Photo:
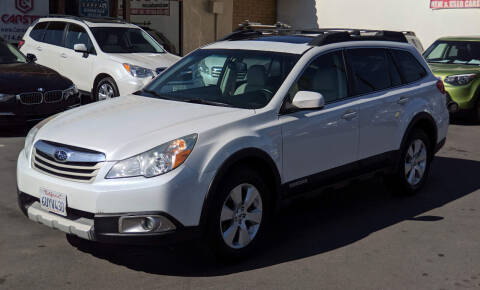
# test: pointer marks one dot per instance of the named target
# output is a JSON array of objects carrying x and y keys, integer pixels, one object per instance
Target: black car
[{"x": 29, "y": 91}]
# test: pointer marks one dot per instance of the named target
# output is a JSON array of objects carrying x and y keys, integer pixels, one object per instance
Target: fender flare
[{"x": 232, "y": 161}]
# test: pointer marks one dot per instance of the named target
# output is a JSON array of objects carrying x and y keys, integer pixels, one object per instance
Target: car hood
[
  {"x": 125, "y": 126},
  {"x": 147, "y": 60},
  {"x": 444, "y": 70},
  {"x": 18, "y": 78}
]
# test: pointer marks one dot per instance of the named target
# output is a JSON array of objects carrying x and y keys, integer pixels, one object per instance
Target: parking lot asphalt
[{"x": 360, "y": 237}]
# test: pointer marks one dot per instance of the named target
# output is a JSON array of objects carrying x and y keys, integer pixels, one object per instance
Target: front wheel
[
  {"x": 414, "y": 166},
  {"x": 106, "y": 89},
  {"x": 238, "y": 215}
]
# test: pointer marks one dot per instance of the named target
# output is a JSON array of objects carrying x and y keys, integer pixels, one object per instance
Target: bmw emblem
[{"x": 61, "y": 156}]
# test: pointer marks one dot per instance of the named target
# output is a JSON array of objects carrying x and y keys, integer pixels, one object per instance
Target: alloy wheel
[
  {"x": 105, "y": 92},
  {"x": 415, "y": 162},
  {"x": 241, "y": 216}
]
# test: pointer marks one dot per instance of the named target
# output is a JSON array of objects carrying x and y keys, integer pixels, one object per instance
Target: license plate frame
[{"x": 53, "y": 201}]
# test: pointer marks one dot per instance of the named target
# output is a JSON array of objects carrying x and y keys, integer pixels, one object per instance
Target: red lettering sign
[{"x": 454, "y": 4}]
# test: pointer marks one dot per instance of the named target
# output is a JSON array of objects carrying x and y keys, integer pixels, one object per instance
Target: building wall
[
  {"x": 199, "y": 23},
  {"x": 263, "y": 11},
  {"x": 414, "y": 15}
]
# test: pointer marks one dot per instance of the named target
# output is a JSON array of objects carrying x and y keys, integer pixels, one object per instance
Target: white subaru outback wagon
[
  {"x": 189, "y": 157},
  {"x": 104, "y": 57}
]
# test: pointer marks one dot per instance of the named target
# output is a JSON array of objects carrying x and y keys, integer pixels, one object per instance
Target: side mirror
[
  {"x": 308, "y": 100},
  {"x": 31, "y": 57},
  {"x": 80, "y": 47}
]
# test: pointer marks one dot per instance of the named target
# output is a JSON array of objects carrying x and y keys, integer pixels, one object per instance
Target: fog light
[{"x": 144, "y": 224}]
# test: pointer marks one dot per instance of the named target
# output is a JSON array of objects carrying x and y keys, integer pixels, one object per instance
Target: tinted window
[
  {"x": 76, "y": 35},
  {"x": 395, "y": 77},
  {"x": 409, "y": 66},
  {"x": 38, "y": 31},
  {"x": 125, "y": 40},
  {"x": 370, "y": 70},
  {"x": 325, "y": 75},
  {"x": 54, "y": 33}
]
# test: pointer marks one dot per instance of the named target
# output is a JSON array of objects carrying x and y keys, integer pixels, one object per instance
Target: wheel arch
[
  {"x": 254, "y": 158},
  {"x": 98, "y": 78},
  {"x": 425, "y": 122}
]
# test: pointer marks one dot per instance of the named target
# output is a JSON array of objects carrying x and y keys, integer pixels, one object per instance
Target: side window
[
  {"x": 75, "y": 35},
  {"x": 395, "y": 77},
  {"x": 370, "y": 70},
  {"x": 325, "y": 75},
  {"x": 54, "y": 33},
  {"x": 38, "y": 31},
  {"x": 409, "y": 66}
]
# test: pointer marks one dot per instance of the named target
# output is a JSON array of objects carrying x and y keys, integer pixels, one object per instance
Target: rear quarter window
[
  {"x": 409, "y": 67},
  {"x": 38, "y": 31}
]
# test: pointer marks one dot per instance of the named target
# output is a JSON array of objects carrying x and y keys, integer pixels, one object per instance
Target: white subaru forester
[
  {"x": 190, "y": 157},
  {"x": 104, "y": 57}
]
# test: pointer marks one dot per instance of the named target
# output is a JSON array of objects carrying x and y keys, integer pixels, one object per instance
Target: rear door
[
  {"x": 52, "y": 45},
  {"x": 34, "y": 42},
  {"x": 77, "y": 66}
]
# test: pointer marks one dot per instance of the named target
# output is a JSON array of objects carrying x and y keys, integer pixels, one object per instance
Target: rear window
[
  {"x": 409, "y": 66},
  {"x": 54, "y": 33},
  {"x": 38, "y": 31},
  {"x": 370, "y": 70}
]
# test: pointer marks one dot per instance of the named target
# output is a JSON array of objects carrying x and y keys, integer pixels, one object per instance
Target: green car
[{"x": 456, "y": 60}]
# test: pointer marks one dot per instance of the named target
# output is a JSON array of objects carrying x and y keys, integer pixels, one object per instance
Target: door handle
[
  {"x": 349, "y": 115},
  {"x": 403, "y": 100},
  {"x": 39, "y": 48},
  {"x": 63, "y": 55}
]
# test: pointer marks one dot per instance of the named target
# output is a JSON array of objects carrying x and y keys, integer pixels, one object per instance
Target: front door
[{"x": 316, "y": 141}]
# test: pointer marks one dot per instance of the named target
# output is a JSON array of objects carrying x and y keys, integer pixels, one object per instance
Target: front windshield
[
  {"x": 125, "y": 40},
  {"x": 236, "y": 78},
  {"x": 9, "y": 54},
  {"x": 454, "y": 52}
]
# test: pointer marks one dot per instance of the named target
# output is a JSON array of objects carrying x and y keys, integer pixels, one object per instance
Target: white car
[
  {"x": 181, "y": 159},
  {"x": 104, "y": 57}
]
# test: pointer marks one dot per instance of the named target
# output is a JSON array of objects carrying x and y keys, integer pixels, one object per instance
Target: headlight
[
  {"x": 70, "y": 92},
  {"x": 459, "y": 80},
  {"x": 157, "y": 161},
  {"x": 138, "y": 71},
  {"x": 6, "y": 97},
  {"x": 32, "y": 134}
]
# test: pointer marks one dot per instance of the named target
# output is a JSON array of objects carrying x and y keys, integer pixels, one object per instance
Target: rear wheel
[
  {"x": 106, "y": 89},
  {"x": 238, "y": 215},
  {"x": 414, "y": 166}
]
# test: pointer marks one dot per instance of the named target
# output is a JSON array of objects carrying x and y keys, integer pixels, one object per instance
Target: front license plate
[{"x": 53, "y": 201}]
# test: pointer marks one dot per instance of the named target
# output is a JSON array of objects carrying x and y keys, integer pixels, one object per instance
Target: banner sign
[
  {"x": 94, "y": 8},
  {"x": 454, "y": 4},
  {"x": 17, "y": 15},
  {"x": 148, "y": 7}
]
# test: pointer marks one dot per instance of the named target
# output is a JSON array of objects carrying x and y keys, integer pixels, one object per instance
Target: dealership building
[{"x": 188, "y": 24}]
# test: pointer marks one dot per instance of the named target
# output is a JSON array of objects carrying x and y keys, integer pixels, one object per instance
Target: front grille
[
  {"x": 31, "y": 98},
  {"x": 82, "y": 166},
  {"x": 53, "y": 97}
]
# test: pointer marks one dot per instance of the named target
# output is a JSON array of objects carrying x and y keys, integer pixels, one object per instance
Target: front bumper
[{"x": 103, "y": 228}]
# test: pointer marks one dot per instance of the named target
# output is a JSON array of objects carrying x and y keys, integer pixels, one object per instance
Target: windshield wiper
[{"x": 207, "y": 102}]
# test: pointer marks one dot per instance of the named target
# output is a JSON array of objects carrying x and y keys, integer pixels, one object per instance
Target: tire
[
  {"x": 106, "y": 89},
  {"x": 234, "y": 230},
  {"x": 413, "y": 167},
  {"x": 476, "y": 111}
]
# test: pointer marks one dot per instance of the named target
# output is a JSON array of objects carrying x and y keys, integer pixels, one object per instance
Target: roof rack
[{"x": 321, "y": 36}]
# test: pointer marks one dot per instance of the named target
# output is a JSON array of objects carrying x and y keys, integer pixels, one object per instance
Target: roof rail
[
  {"x": 329, "y": 37},
  {"x": 86, "y": 18}
]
